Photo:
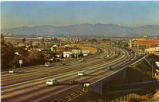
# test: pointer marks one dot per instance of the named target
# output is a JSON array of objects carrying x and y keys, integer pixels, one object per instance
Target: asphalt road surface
[{"x": 29, "y": 85}]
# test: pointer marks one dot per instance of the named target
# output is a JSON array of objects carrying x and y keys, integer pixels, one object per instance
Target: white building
[
  {"x": 85, "y": 52},
  {"x": 21, "y": 45},
  {"x": 152, "y": 50},
  {"x": 53, "y": 48},
  {"x": 66, "y": 54},
  {"x": 157, "y": 49},
  {"x": 76, "y": 51}
]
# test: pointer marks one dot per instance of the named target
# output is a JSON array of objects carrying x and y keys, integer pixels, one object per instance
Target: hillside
[{"x": 112, "y": 30}]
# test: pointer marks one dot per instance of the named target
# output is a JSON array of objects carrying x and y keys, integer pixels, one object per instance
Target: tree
[
  {"x": 76, "y": 47},
  {"x": 7, "y": 55},
  {"x": 33, "y": 58},
  {"x": 104, "y": 40},
  {"x": 31, "y": 44},
  {"x": 9, "y": 59},
  {"x": 93, "y": 40},
  {"x": 42, "y": 40},
  {"x": 2, "y": 39},
  {"x": 24, "y": 40},
  {"x": 14, "y": 62}
]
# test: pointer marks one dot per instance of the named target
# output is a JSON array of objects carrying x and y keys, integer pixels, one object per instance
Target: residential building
[
  {"x": 143, "y": 43},
  {"x": 67, "y": 54}
]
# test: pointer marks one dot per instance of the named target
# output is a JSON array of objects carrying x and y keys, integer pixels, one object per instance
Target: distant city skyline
[{"x": 63, "y": 13}]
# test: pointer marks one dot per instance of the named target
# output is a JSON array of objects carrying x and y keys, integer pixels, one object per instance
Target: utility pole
[
  {"x": 130, "y": 43},
  {"x": 152, "y": 70}
]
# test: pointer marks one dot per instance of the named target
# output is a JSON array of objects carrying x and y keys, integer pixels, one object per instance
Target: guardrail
[{"x": 140, "y": 59}]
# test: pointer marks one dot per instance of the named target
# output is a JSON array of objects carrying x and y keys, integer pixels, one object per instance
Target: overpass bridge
[{"x": 97, "y": 86}]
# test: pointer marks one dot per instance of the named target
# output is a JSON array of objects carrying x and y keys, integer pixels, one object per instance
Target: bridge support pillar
[
  {"x": 98, "y": 88},
  {"x": 124, "y": 72}
]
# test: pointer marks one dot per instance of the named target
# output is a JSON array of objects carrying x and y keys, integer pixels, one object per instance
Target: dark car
[
  {"x": 109, "y": 68},
  {"x": 14, "y": 71},
  {"x": 63, "y": 63}
]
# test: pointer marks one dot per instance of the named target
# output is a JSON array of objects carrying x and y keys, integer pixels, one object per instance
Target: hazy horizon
[
  {"x": 77, "y": 24},
  {"x": 64, "y": 13}
]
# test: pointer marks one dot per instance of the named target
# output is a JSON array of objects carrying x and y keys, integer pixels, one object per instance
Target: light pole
[{"x": 152, "y": 70}]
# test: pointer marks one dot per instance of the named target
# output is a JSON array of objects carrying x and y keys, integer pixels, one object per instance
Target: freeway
[
  {"x": 41, "y": 71},
  {"x": 30, "y": 85}
]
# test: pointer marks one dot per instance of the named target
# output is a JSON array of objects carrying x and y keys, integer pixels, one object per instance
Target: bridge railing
[
  {"x": 98, "y": 83},
  {"x": 129, "y": 98}
]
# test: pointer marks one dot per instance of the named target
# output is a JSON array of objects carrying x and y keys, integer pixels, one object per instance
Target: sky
[{"x": 63, "y": 13}]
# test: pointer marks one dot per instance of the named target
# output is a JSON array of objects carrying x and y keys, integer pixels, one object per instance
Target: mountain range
[{"x": 112, "y": 30}]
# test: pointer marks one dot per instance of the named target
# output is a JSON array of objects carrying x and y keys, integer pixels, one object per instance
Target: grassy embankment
[{"x": 91, "y": 49}]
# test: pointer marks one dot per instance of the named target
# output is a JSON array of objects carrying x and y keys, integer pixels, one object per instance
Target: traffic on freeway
[{"x": 39, "y": 83}]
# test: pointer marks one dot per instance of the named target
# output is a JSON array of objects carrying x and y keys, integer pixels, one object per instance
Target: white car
[
  {"x": 14, "y": 71},
  {"x": 52, "y": 82},
  {"x": 47, "y": 64},
  {"x": 86, "y": 84},
  {"x": 81, "y": 60},
  {"x": 81, "y": 73}
]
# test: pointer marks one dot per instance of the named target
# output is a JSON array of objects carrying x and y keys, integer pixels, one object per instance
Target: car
[
  {"x": 52, "y": 82},
  {"x": 73, "y": 81},
  {"x": 81, "y": 60},
  {"x": 109, "y": 68},
  {"x": 14, "y": 71},
  {"x": 86, "y": 84},
  {"x": 81, "y": 73},
  {"x": 48, "y": 64},
  {"x": 63, "y": 63}
]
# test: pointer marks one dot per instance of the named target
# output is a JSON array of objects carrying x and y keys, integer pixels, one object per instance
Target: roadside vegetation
[
  {"x": 11, "y": 60},
  {"x": 36, "y": 52}
]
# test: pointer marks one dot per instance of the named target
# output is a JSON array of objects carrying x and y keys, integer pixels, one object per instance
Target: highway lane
[
  {"x": 55, "y": 96},
  {"x": 60, "y": 96},
  {"x": 36, "y": 87},
  {"x": 48, "y": 92},
  {"x": 66, "y": 73},
  {"x": 60, "y": 74},
  {"x": 41, "y": 84},
  {"x": 70, "y": 62},
  {"x": 12, "y": 78},
  {"x": 76, "y": 75},
  {"x": 73, "y": 61}
]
